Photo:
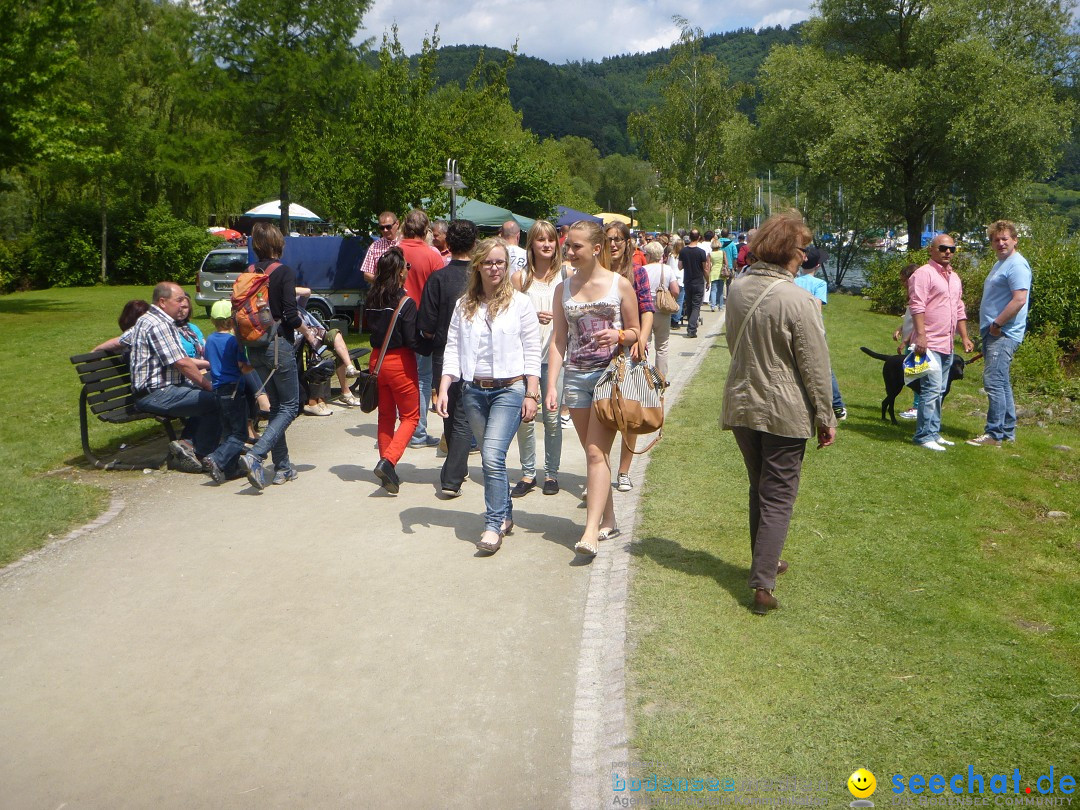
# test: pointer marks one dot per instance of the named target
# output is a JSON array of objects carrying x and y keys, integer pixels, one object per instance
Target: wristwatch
[
  {"x": 535, "y": 397},
  {"x": 995, "y": 323}
]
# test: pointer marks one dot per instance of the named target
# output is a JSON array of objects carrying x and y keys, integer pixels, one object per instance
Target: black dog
[{"x": 893, "y": 374}]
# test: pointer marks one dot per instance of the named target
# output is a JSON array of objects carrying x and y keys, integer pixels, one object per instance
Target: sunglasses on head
[{"x": 947, "y": 248}]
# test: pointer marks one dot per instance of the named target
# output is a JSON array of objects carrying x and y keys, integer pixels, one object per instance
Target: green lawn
[
  {"x": 39, "y": 396},
  {"x": 929, "y": 620}
]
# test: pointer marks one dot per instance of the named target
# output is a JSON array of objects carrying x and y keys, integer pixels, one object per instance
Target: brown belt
[{"x": 488, "y": 383}]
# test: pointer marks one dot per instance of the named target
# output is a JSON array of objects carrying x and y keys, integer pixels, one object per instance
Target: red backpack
[{"x": 251, "y": 306}]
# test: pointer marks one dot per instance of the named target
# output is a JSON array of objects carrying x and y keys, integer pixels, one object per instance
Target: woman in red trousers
[{"x": 399, "y": 389}]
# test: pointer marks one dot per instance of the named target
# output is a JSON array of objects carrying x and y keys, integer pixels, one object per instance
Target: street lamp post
[
  {"x": 632, "y": 210},
  {"x": 452, "y": 181}
]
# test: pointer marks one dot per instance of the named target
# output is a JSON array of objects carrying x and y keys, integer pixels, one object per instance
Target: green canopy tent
[{"x": 489, "y": 216}]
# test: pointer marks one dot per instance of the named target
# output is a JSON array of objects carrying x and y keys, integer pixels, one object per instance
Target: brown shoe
[
  {"x": 763, "y": 602},
  {"x": 781, "y": 567}
]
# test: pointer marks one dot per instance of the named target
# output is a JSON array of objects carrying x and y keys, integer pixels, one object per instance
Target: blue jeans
[
  {"x": 997, "y": 358},
  {"x": 716, "y": 293},
  {"x": 232, "y": 409},
  {"x": 676, "y": 316},
  {"x": 423, "y": 371},
  {"x": 283, "y": 388},
  {"x": 928, "y": 426},
  {"x": 526, "y": 437},
  {"x": 837, "y": 400},
  {"x": 494, "y": 416},
  {"x": 198, "y": 409}
]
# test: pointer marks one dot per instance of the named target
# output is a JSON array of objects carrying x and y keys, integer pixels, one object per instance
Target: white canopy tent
[{"x": 272, "y": 210}]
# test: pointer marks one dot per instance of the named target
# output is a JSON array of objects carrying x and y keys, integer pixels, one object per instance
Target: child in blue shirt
[
  {"x": 228, "y": 364},
  {"x": 819, "y": 288}
]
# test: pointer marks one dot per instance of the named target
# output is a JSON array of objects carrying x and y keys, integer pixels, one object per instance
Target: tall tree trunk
[
  {"x": 285, "y": 201},
  {"x": 104, "y": 230}
]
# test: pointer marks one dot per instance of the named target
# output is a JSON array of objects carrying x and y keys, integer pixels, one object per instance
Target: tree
[
  {"x": 280, "y": 63},
  {"x": 908, "y": 103},
  {"x": 688, "y": 136}
]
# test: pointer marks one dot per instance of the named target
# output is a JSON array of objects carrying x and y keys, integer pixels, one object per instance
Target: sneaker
[
  {"x": 841, "y": 414},
  {"x": 624, "y": 483},
  {"x": 910, "y": 413},
  {"x": 253, "y": 468},
  {"x": 183, "y": 449},
  {"x": 211, "y": 468},
  {"x": 551, "y": 486},
  {"x": 449, "y": 493},
  {"x": 945, "y": 442},
  {"x": 522, "y": 488},
  {"x": 423, "y": 441},
  {"x": 566, "y": 420},
  {"x": 351, "y": 371},
  {"x": 318, "y": 409},
  {"x": 932, "y": 445},
  {"x": 285, "y": 474},
  {"x": 350, "y": 399},
  {"x": 985, "y": 440}
]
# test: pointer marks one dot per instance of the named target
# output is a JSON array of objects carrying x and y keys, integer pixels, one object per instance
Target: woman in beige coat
[{"x": 779, "y": 389}]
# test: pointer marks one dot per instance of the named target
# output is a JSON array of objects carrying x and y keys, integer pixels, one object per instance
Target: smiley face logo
[{"x": 862, "y": 784}]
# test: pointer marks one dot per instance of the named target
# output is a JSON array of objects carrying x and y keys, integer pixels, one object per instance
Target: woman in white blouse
[{"x": 493, "y": 346}]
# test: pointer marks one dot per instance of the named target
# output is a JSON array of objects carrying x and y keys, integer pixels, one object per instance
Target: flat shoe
[
  {"x": 522, "y": 488},
  {"x": 607, "y": 534},
  {"x": 585, "y": 548},
  {"x": 551, "y": 487},
  {"x": 487, "y": 546},
  {"x": 781, "y": 567},
  {"x": 507, "y": 529}
]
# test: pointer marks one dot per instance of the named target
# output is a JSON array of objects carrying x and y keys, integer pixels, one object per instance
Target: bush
[
  {"x": 160, "y": 246},
  {"x": 883, "y": 285},
  {"x": 1038, "y": 366}
]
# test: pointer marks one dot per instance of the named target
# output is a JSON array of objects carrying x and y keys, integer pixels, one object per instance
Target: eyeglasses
[
  {"x": 491, "y": 264},
  {"x": 806, "y": 249},
  {"x": 618, "y": 239},
  {"x": 389, "y": 227},
  {"x": 947, "y": 248}
]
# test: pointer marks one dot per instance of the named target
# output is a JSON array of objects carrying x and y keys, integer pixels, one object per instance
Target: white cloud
[{"x": 567, "y": 30}]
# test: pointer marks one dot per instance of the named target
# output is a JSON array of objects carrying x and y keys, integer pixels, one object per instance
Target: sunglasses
[
  {"x": 389, "y": 227},
  {"x": 946, "y": 248}
]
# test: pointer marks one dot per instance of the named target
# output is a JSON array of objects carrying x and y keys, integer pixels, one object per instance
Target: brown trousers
[{"x": 773, "y": 464}]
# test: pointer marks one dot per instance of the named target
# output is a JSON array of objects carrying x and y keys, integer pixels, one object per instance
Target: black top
[
  {"x": 441, "y": 294},
  {"x": 693, "y": 263},
  {"x": 281, "y": 290},
  {"x": 404, "y": 336}
]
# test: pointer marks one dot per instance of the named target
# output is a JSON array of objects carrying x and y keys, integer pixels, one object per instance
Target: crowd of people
[{"x": 493, "y": 337}]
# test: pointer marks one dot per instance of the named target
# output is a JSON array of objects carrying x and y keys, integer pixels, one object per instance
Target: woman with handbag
[
  {"x": 391, "y": 314},
  {"x": 778, "y": 392},
  {"x": 595, "y": 316},
  {"x": 666, "y": 295},
  {"x": 622, "y": 262},
  {"x": 493, "y": 346},
  {"x": 538, "y": 280}
]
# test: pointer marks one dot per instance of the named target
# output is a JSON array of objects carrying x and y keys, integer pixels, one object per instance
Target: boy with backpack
[{"x": 228, "y": 363}]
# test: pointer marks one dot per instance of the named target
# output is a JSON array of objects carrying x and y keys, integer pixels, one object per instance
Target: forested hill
[{"x": 593, "y": 99}]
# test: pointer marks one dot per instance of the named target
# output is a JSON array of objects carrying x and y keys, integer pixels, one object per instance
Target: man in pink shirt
[
  {"x": 388, "y": 237},
  {"x": 935, "y": 296}
]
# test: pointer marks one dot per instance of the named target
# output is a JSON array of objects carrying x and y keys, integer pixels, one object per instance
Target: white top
[
  {"x": 658, "y": 272},
  {"x": 511, "y": 343},
  {"x": 676, "y": 271},
  {"x": 542, "y": 296},
  {"x": 517, "y": 258}
]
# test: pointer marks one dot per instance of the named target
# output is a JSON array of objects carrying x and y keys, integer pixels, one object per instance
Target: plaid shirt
[
  {"x": 374, "y": 253},
  {"x": 644, "y": 290},
  {"x": 155, "y": 346}
]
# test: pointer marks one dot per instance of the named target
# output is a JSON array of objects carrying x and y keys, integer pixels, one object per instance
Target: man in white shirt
[{"x": 511, "y": 234}]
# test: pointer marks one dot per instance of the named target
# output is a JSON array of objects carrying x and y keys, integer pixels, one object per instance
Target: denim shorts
[{"x": 578, "y": 387}]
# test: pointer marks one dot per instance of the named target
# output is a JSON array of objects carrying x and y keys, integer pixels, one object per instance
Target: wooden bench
[{"x": 106, "y": 392}]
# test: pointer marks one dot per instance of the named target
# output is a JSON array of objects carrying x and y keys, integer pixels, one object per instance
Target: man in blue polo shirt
[{"x": 1002, "y": 321}]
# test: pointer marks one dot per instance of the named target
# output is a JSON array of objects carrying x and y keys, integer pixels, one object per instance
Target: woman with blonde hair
[
  {"x": 595, "y": 315},
  {"x": 538, "y": 281},
  {"x": 622, "y": 262},
  {"x": 493, "y": 346}
]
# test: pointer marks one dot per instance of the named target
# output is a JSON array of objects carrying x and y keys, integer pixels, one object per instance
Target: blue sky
[{"x": 568, "y": 30}]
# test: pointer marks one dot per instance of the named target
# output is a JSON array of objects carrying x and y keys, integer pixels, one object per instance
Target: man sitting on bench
[{"x": 166, "y": 381}]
